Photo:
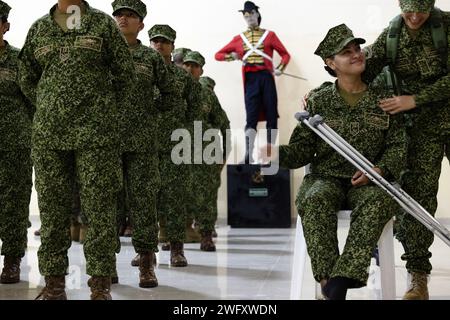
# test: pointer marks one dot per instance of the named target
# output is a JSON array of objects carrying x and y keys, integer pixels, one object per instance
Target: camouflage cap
[
  {"x": 422, "y": 6},
  {"x": 182, "y": 51},
  {"x": 196, "y": 57},
  {"x": 4, "y": 9},
  {"x": 335, "y": 40},
  {"x": 164, "y": 31},
  {"x": 208, "y": 82},
  {"x": 135, "y": 5}
]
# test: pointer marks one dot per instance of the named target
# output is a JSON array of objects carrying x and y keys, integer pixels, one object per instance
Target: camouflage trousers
[
  {"x": 318, "y": 200},
  {"x": 141, "y": 187},
  {"x": 123, "y": 206},
  {"x": 203, "y": 204},
  {"x": 425, "y": 156},
  {"x": 99, "y": 175},
  {"x": 77, "y": 213},
  {"x": 176, "y": 181},
  {"x": 15, "y": 192}
]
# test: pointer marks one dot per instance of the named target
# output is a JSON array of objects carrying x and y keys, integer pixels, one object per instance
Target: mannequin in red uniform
[{"x": 254, "y": 48}]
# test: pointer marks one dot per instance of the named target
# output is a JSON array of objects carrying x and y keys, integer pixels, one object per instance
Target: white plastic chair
[{"x": 385, "y": 253}]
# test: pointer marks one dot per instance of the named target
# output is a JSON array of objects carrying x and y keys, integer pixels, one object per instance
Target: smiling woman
[{"x": 349, "y": 106}]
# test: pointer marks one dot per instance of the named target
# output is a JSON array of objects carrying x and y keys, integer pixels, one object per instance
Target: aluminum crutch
[
  {"x": 405, "y": 200},
  {"x": 317, "y": 125}
]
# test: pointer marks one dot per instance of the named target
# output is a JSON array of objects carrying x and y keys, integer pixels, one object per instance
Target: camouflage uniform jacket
[
  {"x": 16, "y": 110},
  {"x": 181, "y": 108},
  {"x": 213, "y": 116},
  {"x": 139, "y": 122},
  {"x": 418, "y": 64},
  {"x": 381, "y": 138},
  {"x": 77, "y": 81}
]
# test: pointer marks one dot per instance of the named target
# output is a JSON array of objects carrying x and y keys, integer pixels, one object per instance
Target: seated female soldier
[{"x": 350, "y": 107}]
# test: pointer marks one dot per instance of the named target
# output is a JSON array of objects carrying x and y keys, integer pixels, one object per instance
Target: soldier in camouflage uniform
[
  {"x": 139, "y": 144},
  {"x": 206, "y": 176},
  {"x": 179, "y": 54},
  {"x": 424, "y": 98},
  {"x": 350, "y": 108},
  {"x": 182, "y": 109},
  {"x": 191, "y": 234},
  {"x": 208, "y": 82},
  {"x": 77, "y": 70},
  {"x": 15, "y": 158},
  {"x": 211, "y": 84}
]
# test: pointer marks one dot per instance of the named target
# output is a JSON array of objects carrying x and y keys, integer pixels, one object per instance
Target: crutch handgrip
[
  {"x": 300, "y": 116},
  {"x": 315, "y": 121}
]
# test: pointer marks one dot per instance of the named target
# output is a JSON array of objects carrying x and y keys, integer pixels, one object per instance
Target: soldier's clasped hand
[
  {"x": 398, "y": 104},
  {"x": 359, "y": 179}
]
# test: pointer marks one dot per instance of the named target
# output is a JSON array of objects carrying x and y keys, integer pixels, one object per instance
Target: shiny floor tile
[{"x": 248, "y": 264}]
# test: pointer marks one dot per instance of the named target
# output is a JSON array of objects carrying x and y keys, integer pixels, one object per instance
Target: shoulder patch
[
  {"x": 8, "y": 74},
  {"x": 42, "y": 51}
]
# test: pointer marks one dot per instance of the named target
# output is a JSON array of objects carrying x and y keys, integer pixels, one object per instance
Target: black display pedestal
[{"x": 258, "y": 201}]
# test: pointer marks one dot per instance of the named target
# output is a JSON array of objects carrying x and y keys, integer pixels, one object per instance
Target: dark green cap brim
[
  {"x": 346, "y": 42},
  {"x": 161, "y": 36},
  {"x": 129, "y": 8},
  {"x": 194, "y": 61}
]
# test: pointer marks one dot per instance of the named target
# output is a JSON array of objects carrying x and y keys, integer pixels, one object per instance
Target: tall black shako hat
[{"x": 249, "y": 7}]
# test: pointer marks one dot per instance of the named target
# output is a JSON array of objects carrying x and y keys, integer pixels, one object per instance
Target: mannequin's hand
[
  {"x": 277, "y": 72},
  {"x": 235, "y": 56}
]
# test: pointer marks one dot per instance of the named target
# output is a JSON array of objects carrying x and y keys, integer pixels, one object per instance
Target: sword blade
[{"x": 294, "y": 76}]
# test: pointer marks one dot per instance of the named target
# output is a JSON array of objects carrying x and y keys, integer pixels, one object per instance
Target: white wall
[{"x": 207, "y": 25}]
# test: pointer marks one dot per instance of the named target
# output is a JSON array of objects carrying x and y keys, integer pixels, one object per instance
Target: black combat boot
[
  {"x": 100, "y": 288},
  {"x": 147, "y": 276},
  {"x": 177, "y": 258},
  {"x": 207, "y": 243},
  {"x": 11, "y": 270},
  {"x": 54, "y": 288}
]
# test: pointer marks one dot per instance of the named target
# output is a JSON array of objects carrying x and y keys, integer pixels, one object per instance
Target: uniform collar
[
  {"x": 258, "y": 28},
  {"x": 135, "y": 46},
  {"x": 85, "y": 20},
  {"x": 336, "y": 95},
  {"x": 5, "y": 54}
]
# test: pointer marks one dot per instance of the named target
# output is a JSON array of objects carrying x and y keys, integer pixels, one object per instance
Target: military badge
[
  {"x": 89, "y": 42},
  {"x": 64, "y": 54},
  {"x": 143, "y": 69},
  {"x": 354, "y": 128},
  {"x": 379, "y": 121}
]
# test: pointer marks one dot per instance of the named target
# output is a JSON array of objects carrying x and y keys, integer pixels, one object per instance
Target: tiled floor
[{"x": 248, "y": 264}]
